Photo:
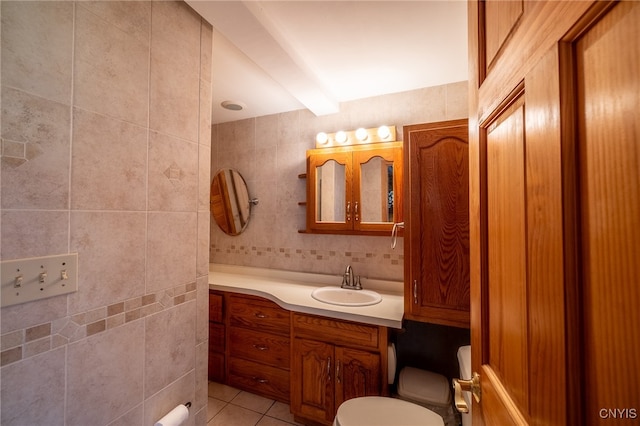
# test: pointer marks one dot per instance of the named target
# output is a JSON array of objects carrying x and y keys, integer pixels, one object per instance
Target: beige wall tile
[
  {"x": 171, "y": 249},
  {"x": 202, "y": 260},
  {"x": 36, "y": 48},
  {"x": 169, "y": 351},
  {"x": 105, "y": 375},
  {"x": 178, "y": 392},
  {"x": 111, "y": 73},
  {"x": 134, "y": 18},
  {"x": 19, "y": 402},
  {"x": 31, "y": 233},
  {"x": 39, "y": 178},
  {"x": 111, "y": 257},
  {"x": 173, "y": 173},
  {"x": 132, "y": 417},
  {"x": 204, "y": 178},
  {"x": 175, "y": 70},
  {"x": 109, "y": 163}
]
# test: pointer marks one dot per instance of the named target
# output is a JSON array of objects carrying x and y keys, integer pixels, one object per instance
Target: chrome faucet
[{"x": 349, "y": 280}]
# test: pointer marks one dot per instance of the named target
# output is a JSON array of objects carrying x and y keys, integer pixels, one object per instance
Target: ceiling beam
[{"x": 246, "y": 25}]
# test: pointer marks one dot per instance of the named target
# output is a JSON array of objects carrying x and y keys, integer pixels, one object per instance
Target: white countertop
[{"x": 292, "y": 291}]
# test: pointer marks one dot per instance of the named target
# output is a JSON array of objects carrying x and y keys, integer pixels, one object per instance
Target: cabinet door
[
  {"x": 377, "y": 188},
  {"x": 329, "y": 203},
  {"x": 312, "y": 381},
  {"x": 437, "y": 224},
  {"x": 358, "y": 374}
]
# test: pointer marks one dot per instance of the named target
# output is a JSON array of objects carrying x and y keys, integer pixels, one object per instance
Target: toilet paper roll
[
  {"x": 392, "y": 363},
  {"x": 175, "y": 417}
]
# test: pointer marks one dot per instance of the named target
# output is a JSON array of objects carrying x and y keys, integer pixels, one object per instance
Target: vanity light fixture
[
  {"x": 361, "y": 136},
  {"x": 341, "y": 137}
]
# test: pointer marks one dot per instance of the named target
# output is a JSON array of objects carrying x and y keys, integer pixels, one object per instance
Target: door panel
[
  {"x": 608, "y": 68},
  {"x": 312, "y": 393},
  {"x": 506, "y": 328},
  {"x": 357, "y": 374}
]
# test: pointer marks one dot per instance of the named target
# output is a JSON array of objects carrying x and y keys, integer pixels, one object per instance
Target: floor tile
[
  {"x": 232, "y": 415},
  {"x": 223, "y": 392},
  {"x": 252, "y": 402},
  {"x": 281, "y": 411},
  {"x": 214, "y": 406},
  {"x": 270, "y": 421}
]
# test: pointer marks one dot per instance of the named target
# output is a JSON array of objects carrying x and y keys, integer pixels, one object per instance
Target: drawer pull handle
[
  {"x": 329, "y": 368},
  {"x": 259, "y": 380},
  {"x": 260, "y": 315},
  {"x": 338, "y": 371},
  {"x": 261, "y": 347}
]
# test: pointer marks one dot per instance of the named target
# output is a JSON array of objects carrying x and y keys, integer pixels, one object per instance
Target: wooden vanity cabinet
[
  {"x": 333, "y": 361},
  {"x": 436, "y": 218},
  {"x": 258, "y": 346},
  {"x": 216, "y": 337}
]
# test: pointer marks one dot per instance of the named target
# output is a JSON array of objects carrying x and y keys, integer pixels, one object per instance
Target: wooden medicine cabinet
[{"x": 354, "y": 189}]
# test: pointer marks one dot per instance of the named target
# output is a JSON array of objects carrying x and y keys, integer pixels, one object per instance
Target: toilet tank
[{"x": 464, "y": 360}]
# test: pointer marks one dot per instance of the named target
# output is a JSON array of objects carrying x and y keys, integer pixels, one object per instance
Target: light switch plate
[{"x": 25, "y": 280}]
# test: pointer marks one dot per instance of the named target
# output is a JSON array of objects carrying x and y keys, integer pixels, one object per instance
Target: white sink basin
[{"x": 346, "y": 297}]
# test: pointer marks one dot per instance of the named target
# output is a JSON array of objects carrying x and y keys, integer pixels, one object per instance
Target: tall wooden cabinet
[
  {"x": 554, "y": 207},
  {"x": 437, "y": 223}
]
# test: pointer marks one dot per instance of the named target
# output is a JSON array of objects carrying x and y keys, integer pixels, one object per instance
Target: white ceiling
[{"x": 277, "y": 56}]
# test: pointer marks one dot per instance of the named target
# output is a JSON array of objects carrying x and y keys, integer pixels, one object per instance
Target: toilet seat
[{"x": 381, "y": 411}]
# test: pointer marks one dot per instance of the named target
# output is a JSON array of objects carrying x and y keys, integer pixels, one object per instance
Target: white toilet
[
  {"x": 421, "y": 386},
  {"x": 381, "y": 411}
]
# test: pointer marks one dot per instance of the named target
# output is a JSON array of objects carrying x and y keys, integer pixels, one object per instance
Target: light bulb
[
  {"x": 341, "y": 136},
  {"x": 362, "y": 134},
  {"x": 384, "y": 132},
  {"x": 322, "y": 138}
]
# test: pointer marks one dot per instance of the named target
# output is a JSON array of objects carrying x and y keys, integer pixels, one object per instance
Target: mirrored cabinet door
[
  {"x": 329, "y": 205},
  {"x": 377, "y": 188}
]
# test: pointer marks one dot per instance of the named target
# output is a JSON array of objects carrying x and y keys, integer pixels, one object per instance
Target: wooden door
[
  {"x": 554, "y": 207},
  {"x": 437, "y": 223},
  {"x": 312, "y": 382},
  {"x": 358, "y": 373}
]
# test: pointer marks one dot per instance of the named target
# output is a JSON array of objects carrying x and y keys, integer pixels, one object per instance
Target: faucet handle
[{"x": 357, "y": 284}]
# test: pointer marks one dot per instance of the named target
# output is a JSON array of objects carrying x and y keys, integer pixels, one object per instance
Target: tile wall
[
  {"x": 270, "y": 152},
  {"x": 105, "y": 152}
]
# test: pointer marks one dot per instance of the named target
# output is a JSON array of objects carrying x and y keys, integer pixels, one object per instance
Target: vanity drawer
[
  {"x": 258, "y": 378},
  {"x": 336, "y": 331},
  {"x": 258, "y": 314},
  {"x": 259, "y": 346}
]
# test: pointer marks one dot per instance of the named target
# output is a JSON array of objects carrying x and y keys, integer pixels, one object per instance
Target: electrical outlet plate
[{"x": 25, "y": 280}]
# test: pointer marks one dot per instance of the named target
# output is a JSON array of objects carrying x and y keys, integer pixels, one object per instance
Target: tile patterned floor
[{"x": 228, "y": 406}]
